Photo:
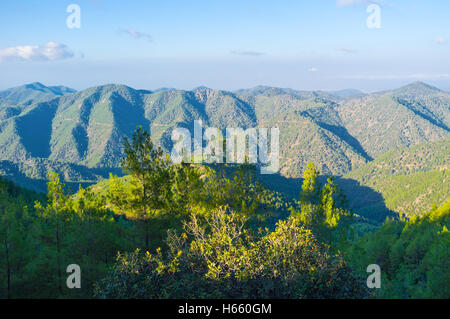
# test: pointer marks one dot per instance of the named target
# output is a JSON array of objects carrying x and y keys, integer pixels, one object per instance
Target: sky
[{"x": 228, "y": 44}]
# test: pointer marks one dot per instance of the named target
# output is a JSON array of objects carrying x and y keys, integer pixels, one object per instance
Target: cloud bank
[{"x": 50, "y": 51}]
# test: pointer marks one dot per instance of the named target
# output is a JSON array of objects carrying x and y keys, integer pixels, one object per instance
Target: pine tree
[
  {"x": 310, "y": 187},
  {"x": 150, "y": 186}
]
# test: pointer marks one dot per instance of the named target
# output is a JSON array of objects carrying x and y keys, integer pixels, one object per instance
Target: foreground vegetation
[
  {"x": 179, "y": 231},
  {"x": 413, "y": 254}
]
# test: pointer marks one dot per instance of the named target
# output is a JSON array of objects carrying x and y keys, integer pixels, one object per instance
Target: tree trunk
[
  {"x": 8, "y": 266},
  {"x": 146, "y": 235},
  {"x": 58, "y": 248}
]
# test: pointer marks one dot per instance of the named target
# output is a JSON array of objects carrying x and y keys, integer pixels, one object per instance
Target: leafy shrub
[{"x": 218, "y": 257}]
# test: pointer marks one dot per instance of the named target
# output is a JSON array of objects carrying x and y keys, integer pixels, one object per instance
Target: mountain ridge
[
  {"x": 81, "y": 133},
  {"x": 87, "y": 127}
]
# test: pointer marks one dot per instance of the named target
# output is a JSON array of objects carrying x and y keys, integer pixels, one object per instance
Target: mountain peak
[
  {"x": 200, "y": 88},
  {"x": 56, "y": 90},
  {"x": 35, "y": 85},
  {"x": 419, "y": 86}
]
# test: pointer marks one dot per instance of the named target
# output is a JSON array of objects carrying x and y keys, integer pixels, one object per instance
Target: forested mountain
[
  {"x": 394, "y": 119},
  {"x": 80, "y": 134},
  {"x": 87, "y": 127},
  {"x": 31, "y": 93}
]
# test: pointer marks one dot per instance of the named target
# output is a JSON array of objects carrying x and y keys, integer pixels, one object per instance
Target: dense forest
[{"x": 196, "y": 231}]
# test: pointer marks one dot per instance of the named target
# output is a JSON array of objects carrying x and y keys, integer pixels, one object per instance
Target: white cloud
[
  {"x": 441, "y": 40},
  {"x": 313, "y": 69},
  {"x": 252, "y": 53},
  {"x": 50, "y": 51},
  {"x": 347, "y": 50},
  {"x": 137, "y": 34},
  {"x": 349, "y": 3}
]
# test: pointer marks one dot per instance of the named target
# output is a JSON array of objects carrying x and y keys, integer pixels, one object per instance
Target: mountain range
[{"x": 345, "y": 133}]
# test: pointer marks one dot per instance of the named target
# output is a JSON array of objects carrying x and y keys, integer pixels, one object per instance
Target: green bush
[{"x": 218, "y": 257}]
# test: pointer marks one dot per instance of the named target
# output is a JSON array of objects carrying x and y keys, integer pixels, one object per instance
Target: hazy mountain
[
  {"x": 346, "y": 93},
  {"x": 269, "y": 91},
  {"x": 31, "y": 93}
]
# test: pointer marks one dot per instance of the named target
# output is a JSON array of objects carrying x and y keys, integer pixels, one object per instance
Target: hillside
[
  {"x": 303, "y": 140},
  {"x": 384, "y": 121},
  {"x": 410, "y": 180}
]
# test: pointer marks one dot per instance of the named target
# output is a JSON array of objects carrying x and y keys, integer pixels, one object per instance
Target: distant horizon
[{"x": 228, "y": 90}]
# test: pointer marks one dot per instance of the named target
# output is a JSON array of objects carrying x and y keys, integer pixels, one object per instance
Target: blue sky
[{"x": 229, "y": 44}]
